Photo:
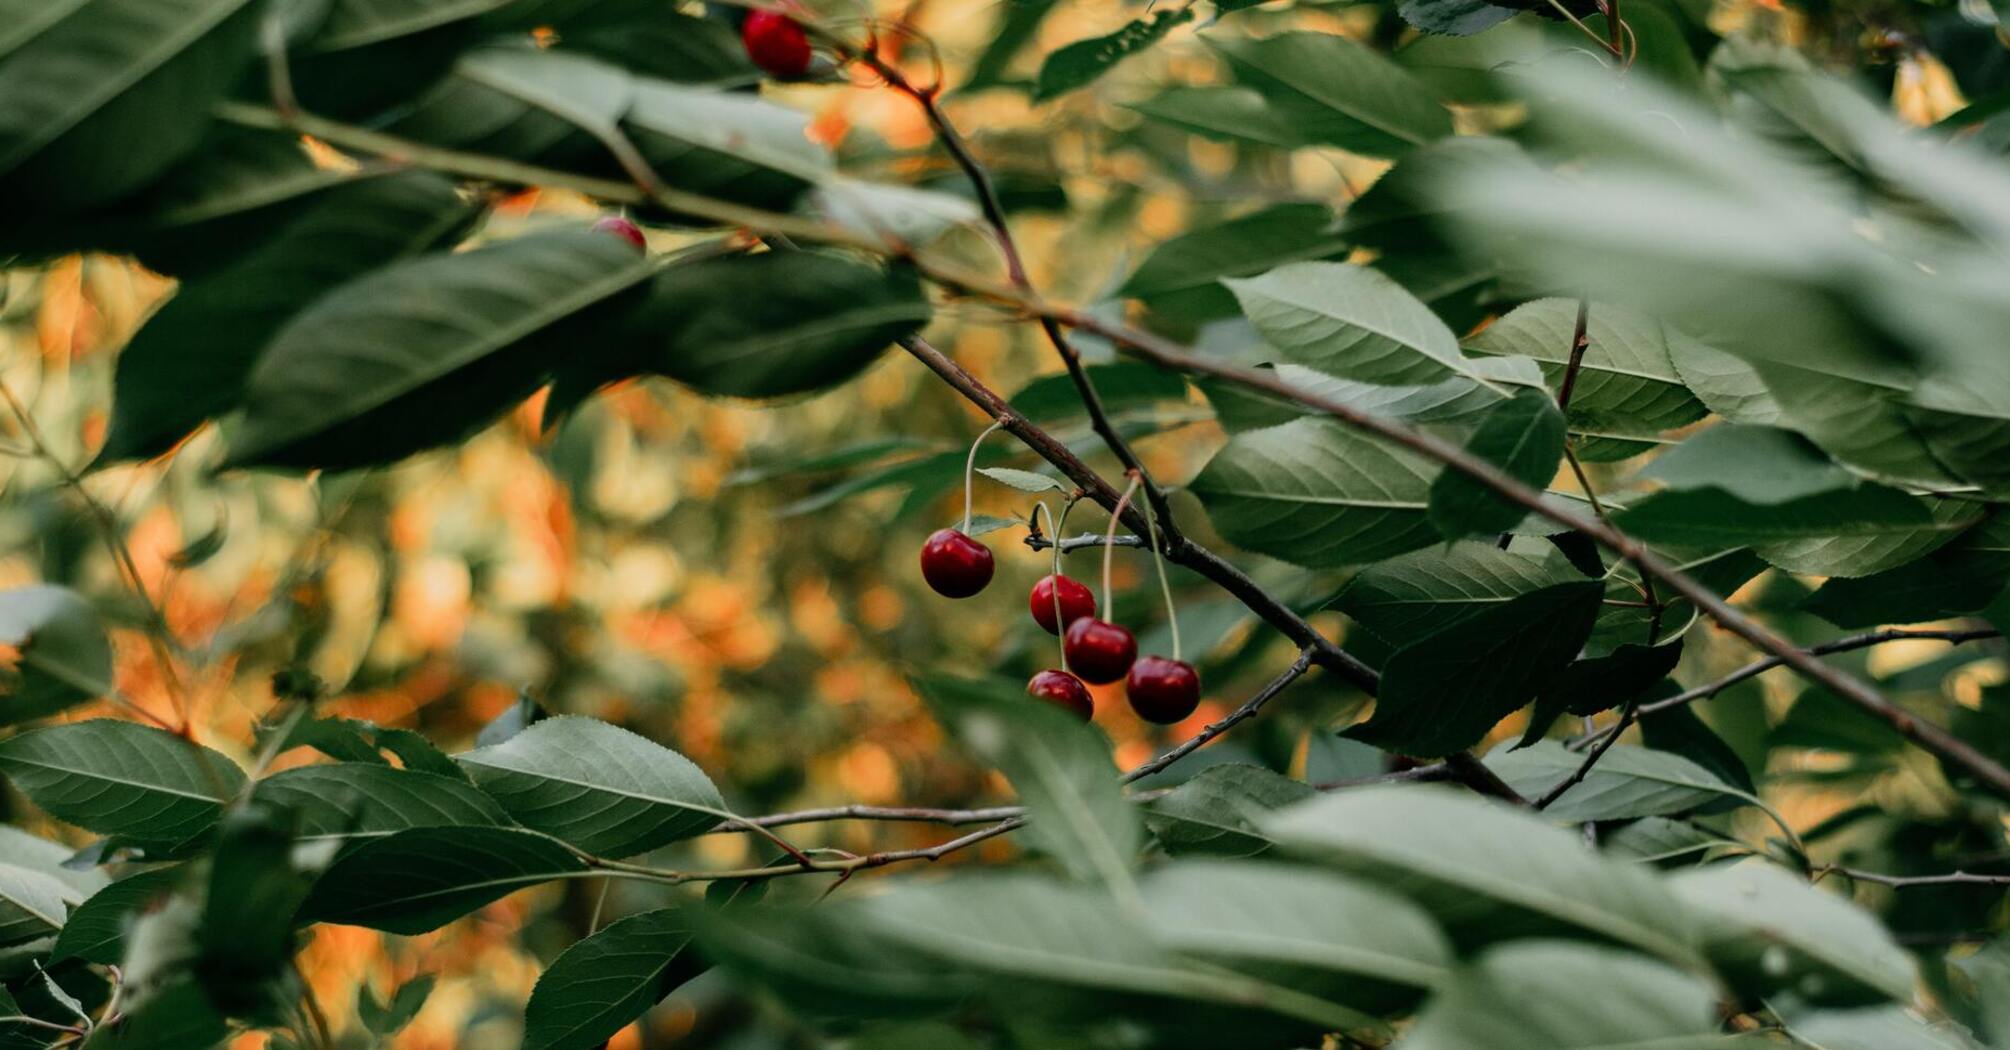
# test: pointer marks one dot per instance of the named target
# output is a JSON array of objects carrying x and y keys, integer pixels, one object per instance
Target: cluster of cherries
[{"x": 1093, "y": 649}]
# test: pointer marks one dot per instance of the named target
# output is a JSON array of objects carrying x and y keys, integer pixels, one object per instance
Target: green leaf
[
  {"x": 423, "y": 352},
  {"x": 1524, "y": 438},
  {"x": 773, "y": 324},
  {"x": 121, "y": 778},
  {"x": 1342, "y": 940},
  {"x": 1227, "y": 114},
  {"x": 729, "y": 145},
  {"x": 254, "y": 886},
  {"x": 64, "y": 657},
  {"x": 32, "y": 903},
  {"x": 418, "y": 880},
  {"x": 1726, "y": 385},
  {"x": 1417, "y": 594},
  {"x": 178, "y": 1016},
  {"x": 1061, "y": 769},
  {"x": 600, "y": 787},
  {"x": 1629, "y": 782},
  {"x": 106, "y": 99},
  {"x": 1023, "y": 480},
  {"x": 1079, "y": 64},
  {"x": 355, "y": 23},
  {"x": 1489, "y": 873},
  {"x": 1532, "y": 996},
  {"x": 1457, "y": 400},
  {"x": 1771, "y": 930},
  {"x": 1350, "y": 321},
  {"x": 1214, "y": 814},
  {"x": 1443, "y": 692},
  {"x": 96, "y": 930},
  {"x": 1240, "y": 247},
  {"x": 388, "y": 1019},
  {"x": 1737, "y": 483},
  {"x": 1047, "y": 948},
  {"x": 1126, "y": 386},
  {"x": 1330, "y": 89},
  {"x": 644, "y": 38},
  {"x": 1627, "y": 382},
  {"x": 1454, "y": 17},
  {"x": 1316, "y": 492},
  {"x": 1959, "y": 579},
  {"x": 1854, "y": 556},
  {"x": 601, "y": 983},
  {"x": 1872, "y": 1028},
  {"x": 190, "y": 360},
  {"x": 353, "y": 801}
]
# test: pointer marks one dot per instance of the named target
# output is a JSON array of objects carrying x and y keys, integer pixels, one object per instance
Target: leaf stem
[
  {"x": 970, "y": 472},
  {"x": 1110, "y": 544}
]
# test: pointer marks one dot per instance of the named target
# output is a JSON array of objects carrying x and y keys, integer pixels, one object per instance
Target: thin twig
[
  {"x": 1900, "y": 882},
  {"x": 993, "y": 208},
  {"x": 1839, "y": 645},
  {"x": 1924, "y": 734},
  {"x": 1229, "y": 721},
  {"x": 914, "y": 814},
  {"x": 1626, "y": 716}
]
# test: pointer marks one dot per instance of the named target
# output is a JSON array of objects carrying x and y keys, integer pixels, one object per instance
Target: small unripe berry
[
  {"x": 776, "y": 44},
  {"x": 1075, "y": 600},
  {"x": 1064, "y": 691},
  {"x": 1098, "y": 650},
  {"x": 1161, "y": 690},
  {"x": 954, "y": 564},
  {"x": 623, "y": 229}
]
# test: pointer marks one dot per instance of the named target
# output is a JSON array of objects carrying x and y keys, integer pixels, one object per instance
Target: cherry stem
[
  {"x": 1110, "y": 544},
  {"x": 1165, "y": 585},
  {"x": 1060, "y": 629},
  {"x": 970, "y": 470}
]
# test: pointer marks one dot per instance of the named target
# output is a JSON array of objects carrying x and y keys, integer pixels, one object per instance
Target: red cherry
[
  {"x": 1161, "y": 690},
  {"x": 1076, "y": 602},
  {"x": 623, "y": 229},
  {"x": 1064, "y": 691},
  {"x": 776, "y": 44},
  {"x": 1098, "y": 650},
  {"x": 954, "y": 564}
]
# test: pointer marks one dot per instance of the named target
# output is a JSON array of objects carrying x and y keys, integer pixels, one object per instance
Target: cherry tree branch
[
  {"x": 1952, "y": 878},
  {"x": 1925, "y": 734},
  {"x": 980, "y": 179},
  {"x": 1759, "y": 667}
]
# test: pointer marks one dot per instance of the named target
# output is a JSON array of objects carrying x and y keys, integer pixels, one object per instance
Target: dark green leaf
[
  {"x": 605, "y": 981},
  {"x": 352, "y": 802},
  {"x": 1773, "y": 931},
  {"x": 1405, "y": 598},
  {"x": 1443, "y": 692},
  {"x": 600, "y": 787},
  {"x": 388, "y": 1019},
  {"x": 773, "y": 324},
  {"x": 1060, "y": 768},
  {"x": 1330, "y": 89},
  {"x": 96, "y": 931},
  {"x": 121, "y": 778},
  {"x": 1240, "y": 247},
  {"x": 1232, "y": 114},
  {"x": 1080, "y": 63},
  {"x": 106, "y": 99},
  {"x": 32, "y": 903},
  {"x": 179, "y": 1016},
  {"x": 1627, "y": 382},
  {"x": 422, "y": 352},
  {"x": 1352, "y": 322},
  {"x": 64, "y": 656},
  {"x": 190, "y": 360},
  {"x": 1524, "y": 438},
  {"x": 1316, "y": 492},
  {"x": 1489, "y": 873},
  {"x": 1454, "y": 17},
  {"x": 1214, "y": 814},
  {"x": 1342, "y": 940},
  {"x": 1532, "y": 996},
  {"x": 1959, "y": 579},
  {"x": 1122, "y": 387},
  {"x": 1627, "y": 783},
  {"x": 414, "y": 881}
]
